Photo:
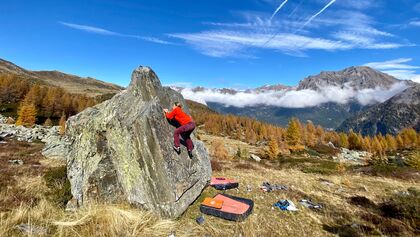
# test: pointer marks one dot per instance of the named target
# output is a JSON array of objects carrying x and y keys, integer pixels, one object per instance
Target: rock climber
[{"x": 185, "y": 128}]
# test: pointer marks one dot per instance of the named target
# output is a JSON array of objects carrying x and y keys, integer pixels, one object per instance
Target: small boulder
[
  {"x": 56, "y": 147},
  {"x": 3, "y": 119},
  {"x": 255, "y": 157},
  {"x": 16, "y": 162}
]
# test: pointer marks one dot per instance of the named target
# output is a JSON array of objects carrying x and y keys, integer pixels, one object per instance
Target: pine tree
[
  {"x": 344, "y": 142},
  {"x": 26, "y": 115},
  {"x": 391, "y": 142},
  {"x": 273, "y": 149},
  {"x": 310, "y": 138},
  {"x": 48, "y": 103},
  {"x": 400, "y": 142},
  {"x": 34, "y": 95},
  {"x": 366, "y": 144},
  {"x": 333, "y": 137},
  {"x": 354, "y": 141},
  {"x": 377, "y": 147},
  {"x": 418, "y": 140},
  {"x": 409, "y": 137},
  {"x": 320, "y": 133},
  {"x": 62, "y": 124},
  {"x": 293, "y": 132}
]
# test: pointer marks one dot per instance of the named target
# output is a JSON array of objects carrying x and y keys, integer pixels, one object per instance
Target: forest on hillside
[
  {"x": 38, "y": 103},
  {"x": 296, "y": 136}
]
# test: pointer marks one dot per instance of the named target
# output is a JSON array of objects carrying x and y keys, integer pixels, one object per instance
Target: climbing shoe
[
  {"x": 190, "y": 154},
  {"x": 177, "y": 149}
]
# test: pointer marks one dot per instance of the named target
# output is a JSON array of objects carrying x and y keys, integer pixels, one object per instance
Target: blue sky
[{"x": 217, "y": 43}]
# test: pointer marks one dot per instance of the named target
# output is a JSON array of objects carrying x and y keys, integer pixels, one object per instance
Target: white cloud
[
  {"x": 392, "y": 64},
  {"x": 153, "y": 40},
  {"x": 398, "y": 68},
  {"x": 295, "y": 98},
  {"x": 90, "y": 29},
  {"x": 404, "y": 74},
  {"x": 233, "y": 43},
  {"x": 334, "y": 30},
  {"x": 360, "y": 4},
  {"x": 414, "y": 23},
  {"x": 101, "y": 31}
]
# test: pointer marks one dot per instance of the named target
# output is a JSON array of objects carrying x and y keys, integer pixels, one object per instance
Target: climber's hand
[{"x": 166, "y": 110}]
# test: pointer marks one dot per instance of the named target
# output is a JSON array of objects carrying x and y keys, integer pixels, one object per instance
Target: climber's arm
[{"x": 172, "y": 114}]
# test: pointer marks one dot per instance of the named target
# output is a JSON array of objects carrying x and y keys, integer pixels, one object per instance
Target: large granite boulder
[{"x": 121, "y": 150}]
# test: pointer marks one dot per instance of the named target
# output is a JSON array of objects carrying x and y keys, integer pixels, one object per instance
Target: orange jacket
[{"x": 180, "y": 116}]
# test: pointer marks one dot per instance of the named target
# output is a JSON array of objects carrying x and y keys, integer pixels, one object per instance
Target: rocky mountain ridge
[
  {"x": 358, "y": 78},
  {"x": 400, "y": 111}
]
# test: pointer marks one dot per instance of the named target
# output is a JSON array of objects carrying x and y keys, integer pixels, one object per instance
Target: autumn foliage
[
  {"x": 26, "y": 115},
  {"x": 49, "y": 102},
  {"x": 62, "y": 124}
]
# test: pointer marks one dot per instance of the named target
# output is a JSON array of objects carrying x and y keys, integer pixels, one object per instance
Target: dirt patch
[
  {"x": 350, "y": 230},
  {"x": 362, "y": 201},
  {"x": 21, "y": 170},
  {"x": 245, "y": 166},
  {"x": 216, "y": 165},
  {"x": 391, "y": 170}
]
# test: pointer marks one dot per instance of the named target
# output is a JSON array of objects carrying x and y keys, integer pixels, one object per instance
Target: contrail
[
  {"x": 313, "y": 17},
  {"x": 278, "y": 9},
  {"x": 306, "y": 23},
  {"x": 294, "y": 10}
]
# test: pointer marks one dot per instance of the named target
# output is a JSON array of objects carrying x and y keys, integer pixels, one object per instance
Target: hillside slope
[
  {"x": 71, "y": 83},
  {"x": 400, "y": 111}
]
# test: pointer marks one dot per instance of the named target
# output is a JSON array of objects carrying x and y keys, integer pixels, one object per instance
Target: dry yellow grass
[
  {"x": 230, "y": 144},
  {"x": 95, "y": 220},
  {"x": 111, "y": 220},
  {"x": 266, "y": 221},
  {"x": 333, "y": 191}
]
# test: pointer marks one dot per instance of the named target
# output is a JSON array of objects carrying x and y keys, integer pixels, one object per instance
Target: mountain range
[
  {"x": 358, "y": 78},
  {"x": 341, "y": 100}
]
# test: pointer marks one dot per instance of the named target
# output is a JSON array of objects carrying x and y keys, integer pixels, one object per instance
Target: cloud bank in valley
[{"x": 294, "y": 98}]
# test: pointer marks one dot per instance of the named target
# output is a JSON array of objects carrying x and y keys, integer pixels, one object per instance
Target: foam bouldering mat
[
  {"x": 233, "y": 208},
  {"x": 221, "y": 183}
]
